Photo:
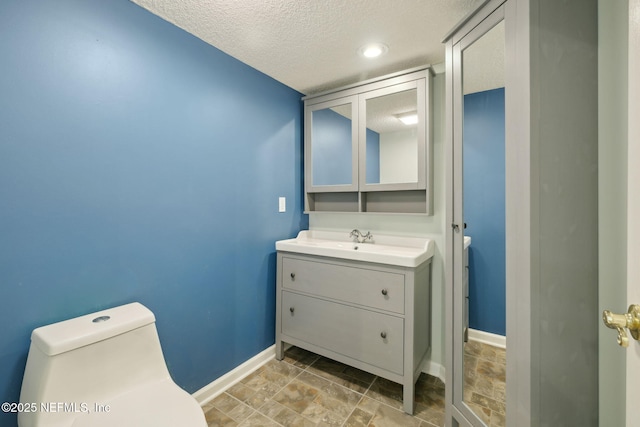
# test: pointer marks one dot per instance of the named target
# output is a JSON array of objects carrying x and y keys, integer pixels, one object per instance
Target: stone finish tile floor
[
  {"x": 484, "y": 382},
  {"x": 307, "y": 390}
]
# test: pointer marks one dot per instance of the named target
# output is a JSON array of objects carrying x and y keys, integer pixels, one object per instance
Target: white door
[{"x": 633, "y": 208}]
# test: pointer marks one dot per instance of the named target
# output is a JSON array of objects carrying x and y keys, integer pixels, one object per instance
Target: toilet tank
[{"x": 89, "y": 360}]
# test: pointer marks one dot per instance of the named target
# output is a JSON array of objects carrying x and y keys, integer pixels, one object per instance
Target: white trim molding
[
  {"x": 434, "y": 369},
  {"x": 488, "y": 338},
  {"x": 218, "y": 386}
]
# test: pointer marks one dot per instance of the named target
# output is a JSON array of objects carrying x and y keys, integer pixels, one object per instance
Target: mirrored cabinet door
[
  {"x": 392, "y": 138},
  {"x": 476, "y": 64},
  {"x": 332, "y": 146},
  {"x": 367, "y": 146}
]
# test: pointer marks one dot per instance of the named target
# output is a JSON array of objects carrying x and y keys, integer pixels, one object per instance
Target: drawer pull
[
  {"x": 293, "y": 276},
  {"x": 385, "y": 292},
  {"x": 291, "y": 309},
  {"x": 383, "y": 335}
]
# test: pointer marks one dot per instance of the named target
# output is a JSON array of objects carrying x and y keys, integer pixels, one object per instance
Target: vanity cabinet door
[
  {"x": 331, "y": 145},
  {"x": 367, "y": 336},
  {"x": 392, "y": 132},
  {"x": 370, "y": 288}
]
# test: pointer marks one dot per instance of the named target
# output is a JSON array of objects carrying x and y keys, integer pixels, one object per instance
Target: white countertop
[{"x": 384, "y": 249}]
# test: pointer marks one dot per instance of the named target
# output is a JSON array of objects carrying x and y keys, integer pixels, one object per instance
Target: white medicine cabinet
[{"x": 368, "y": 146}]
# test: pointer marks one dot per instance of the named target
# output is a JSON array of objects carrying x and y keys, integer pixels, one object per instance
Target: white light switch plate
[{"x": 282, "y": 204}]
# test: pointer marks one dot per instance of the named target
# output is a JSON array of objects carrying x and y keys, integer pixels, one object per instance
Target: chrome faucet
[{"x": 358, "y": 237}]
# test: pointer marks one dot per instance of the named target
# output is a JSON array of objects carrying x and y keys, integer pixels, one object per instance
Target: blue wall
[
  {"x": 138, "y": 163},
  {"x": 484, "y": 208}
]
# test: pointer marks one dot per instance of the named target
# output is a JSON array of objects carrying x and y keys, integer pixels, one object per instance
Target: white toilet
[{"x": 103, "y": 369}]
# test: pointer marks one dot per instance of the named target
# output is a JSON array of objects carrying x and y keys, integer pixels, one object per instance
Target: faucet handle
[{"x": 359, "y": 237}]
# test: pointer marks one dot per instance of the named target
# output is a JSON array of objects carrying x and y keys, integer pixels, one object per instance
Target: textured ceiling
[
  {"x": 484, "y": 62},
  {"x": 311, "y": 45}
]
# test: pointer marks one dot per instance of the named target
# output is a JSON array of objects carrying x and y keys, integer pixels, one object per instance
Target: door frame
[
  {"x": 633, "y": 205},
  {"x": 613, "y": 127}
]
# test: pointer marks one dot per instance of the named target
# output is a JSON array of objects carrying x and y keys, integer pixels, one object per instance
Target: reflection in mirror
[
  {"x": 484, "y": 211},
  {"x": 331, "y": 151},
  {"x": 392, "y": 138}
]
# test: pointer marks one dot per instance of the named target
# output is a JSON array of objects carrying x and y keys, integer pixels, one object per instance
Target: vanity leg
[
  {"x": 279, "y": 350},
  {"x": 408, "y": 396}
]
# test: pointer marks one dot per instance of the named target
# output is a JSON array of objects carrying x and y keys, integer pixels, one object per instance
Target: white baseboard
[
  {"x": 217, "y": 387},
  {"x": 434, "y": 369},
  {"x": 488, "y": 338}
]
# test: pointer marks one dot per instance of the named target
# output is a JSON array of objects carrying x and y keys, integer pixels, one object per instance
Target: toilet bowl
[{"x": 104, "y": 369}]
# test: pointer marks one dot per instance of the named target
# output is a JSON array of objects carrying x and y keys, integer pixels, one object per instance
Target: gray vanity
[{"x": 363, "y": 304}]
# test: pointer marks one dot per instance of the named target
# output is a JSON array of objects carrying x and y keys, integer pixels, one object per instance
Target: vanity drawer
[
  {"x": 373, "y": 338},
  {"x": 371, "y": 288}
]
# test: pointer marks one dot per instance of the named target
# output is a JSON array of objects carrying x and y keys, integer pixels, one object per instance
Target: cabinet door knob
[
  {"x": 293, "y": 276},
  {"x": 383, "y": 335},
  {"x": 385, "y": 292},
  {"x": 291, "y": 309}
]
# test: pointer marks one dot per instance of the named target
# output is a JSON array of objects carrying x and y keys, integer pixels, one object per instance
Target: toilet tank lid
[{"x": 88, "y": 329}]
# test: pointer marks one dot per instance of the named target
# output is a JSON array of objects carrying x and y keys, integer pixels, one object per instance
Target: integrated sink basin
[{"x": 384, "y": 249}]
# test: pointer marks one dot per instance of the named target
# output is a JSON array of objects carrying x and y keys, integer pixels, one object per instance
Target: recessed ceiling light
[{"x": 373, "y": 50}]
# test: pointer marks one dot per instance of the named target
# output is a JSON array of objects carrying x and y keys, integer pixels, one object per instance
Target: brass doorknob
[{"x": 629, "y": 320}]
